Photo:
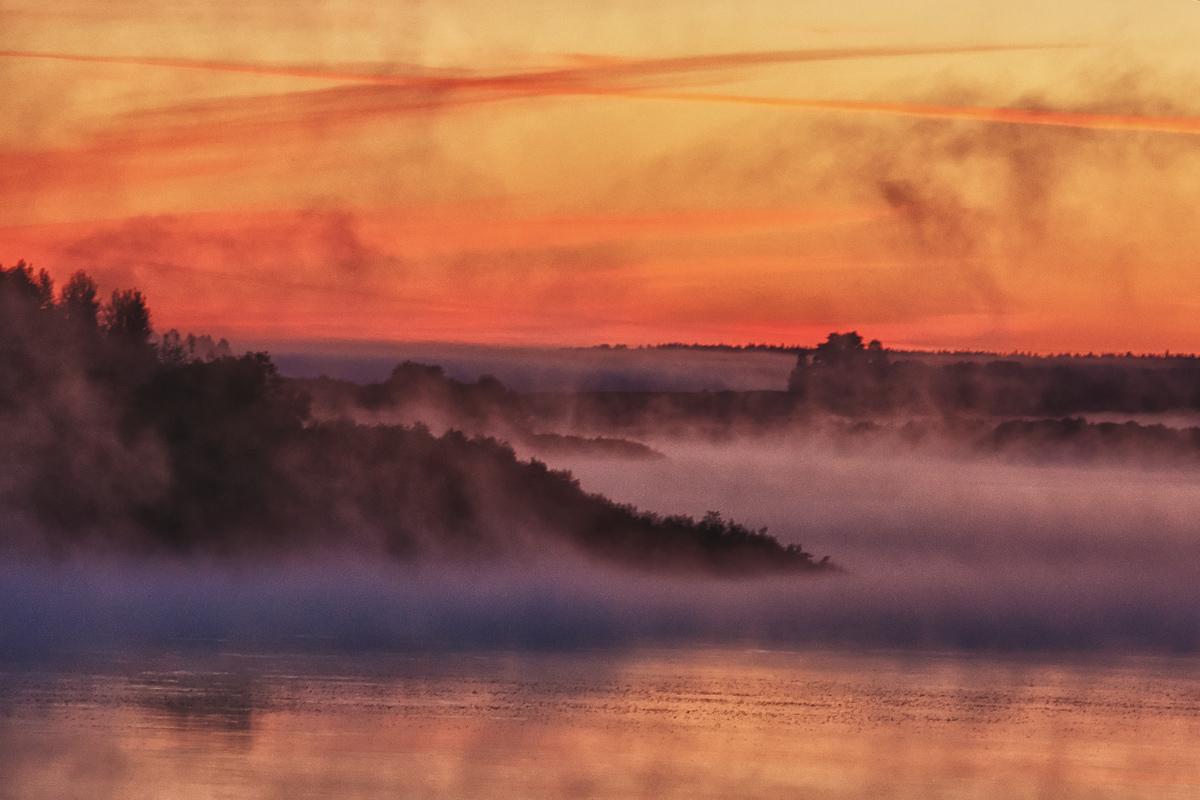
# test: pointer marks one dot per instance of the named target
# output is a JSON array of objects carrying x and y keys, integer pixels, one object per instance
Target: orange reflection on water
[{"x": 678, "y": 724}]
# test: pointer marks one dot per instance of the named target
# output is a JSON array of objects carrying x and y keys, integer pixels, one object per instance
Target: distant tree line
[
  {"x": 112, "y": 436},
  {"x": 728, "y": 348},
  {"x": 852, "y": 387},
  {"x": 720, "y": 348},
  {"x": 847, "y": 377}
]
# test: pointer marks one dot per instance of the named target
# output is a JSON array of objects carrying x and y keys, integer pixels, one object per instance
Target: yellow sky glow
[{"x": 1005, "y": 176}]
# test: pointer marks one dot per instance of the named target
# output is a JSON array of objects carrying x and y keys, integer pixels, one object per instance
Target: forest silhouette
[{"x": 115, "y": 437}]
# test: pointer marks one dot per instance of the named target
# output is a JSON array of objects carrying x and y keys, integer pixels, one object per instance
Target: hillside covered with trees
[{"x": 116, "y": 438}]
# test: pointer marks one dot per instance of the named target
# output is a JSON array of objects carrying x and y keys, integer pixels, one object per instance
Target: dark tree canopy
[
  {"x": 80, "y": 302},
  {"x": 127, "y": 317},
  {"x": 840, "y": 349},
  {"x": 20, "y": 284},
  {"x": 173, "y": 444}
]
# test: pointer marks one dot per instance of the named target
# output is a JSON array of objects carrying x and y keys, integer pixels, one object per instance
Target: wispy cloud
[
  {"x": 452, "y": 273},
  {"x": 587, "y": 70}
]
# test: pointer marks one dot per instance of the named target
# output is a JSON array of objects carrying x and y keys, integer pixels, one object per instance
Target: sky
[{"x": 993, "y": 175}]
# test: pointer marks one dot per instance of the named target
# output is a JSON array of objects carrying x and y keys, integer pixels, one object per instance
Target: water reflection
[
  {"x": 684, "y": 723},
  {"x": 187, "y": 699}
]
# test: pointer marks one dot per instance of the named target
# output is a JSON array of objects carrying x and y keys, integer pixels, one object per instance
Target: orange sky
[{"x": 999, "y": 175}]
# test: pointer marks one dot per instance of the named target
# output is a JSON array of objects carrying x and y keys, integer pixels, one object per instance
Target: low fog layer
[
  {"x": 940, "y": 553},
  {"x": 74, "y": 610},
  {"x": 1118, "y": 409},
  {"x": 883, "y": 507}
]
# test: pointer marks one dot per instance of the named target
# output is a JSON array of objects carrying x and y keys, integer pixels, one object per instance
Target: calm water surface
[{"x": 675, "y": 723}]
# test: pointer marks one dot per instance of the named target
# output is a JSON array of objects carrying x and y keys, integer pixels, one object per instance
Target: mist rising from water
[{"x": 940, "y": 553}]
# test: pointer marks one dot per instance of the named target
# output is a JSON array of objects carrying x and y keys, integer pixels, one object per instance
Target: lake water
[
  {"x": 687, "y": 722},
  {"x": 1043, "y": 620}
]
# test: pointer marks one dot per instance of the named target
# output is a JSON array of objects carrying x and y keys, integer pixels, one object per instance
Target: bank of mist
[
  {"x": 161, "y": 492},
  {"x": 975, "y": 501}
]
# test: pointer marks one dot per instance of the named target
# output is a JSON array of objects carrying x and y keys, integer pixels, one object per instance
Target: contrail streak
[
  {"x": 608, "y": 69},
  {"x": 585, "y": 81},
  {"x": 1014, "y": 116}
]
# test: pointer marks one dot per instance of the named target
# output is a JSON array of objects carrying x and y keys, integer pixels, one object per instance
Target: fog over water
[
  {"x": 874, "y": 505},
  {"x": 953, "y": 550},
  {"x": 939, "y": 553}
]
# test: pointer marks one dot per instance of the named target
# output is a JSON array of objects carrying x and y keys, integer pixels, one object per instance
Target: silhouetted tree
[
  {"x": 79, "y": 301},
  {"x": 840, "y": 349},
  {"x": 127, "y": 318},
  {"x": 22, "y": 284},
  {"x": 848, "y": 377}
]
